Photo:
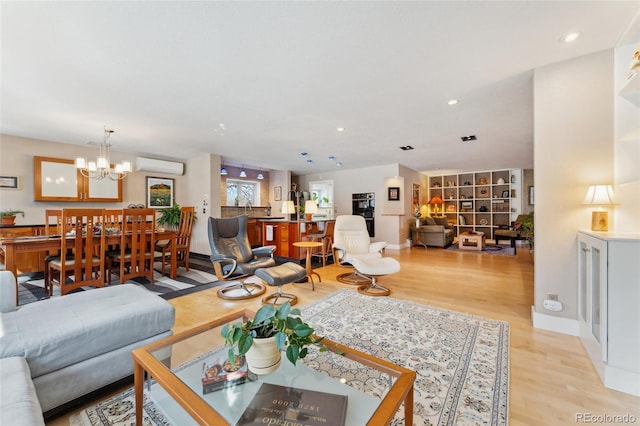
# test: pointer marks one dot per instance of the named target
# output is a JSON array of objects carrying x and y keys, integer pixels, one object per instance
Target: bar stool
[{"x": 326, "y": 238}]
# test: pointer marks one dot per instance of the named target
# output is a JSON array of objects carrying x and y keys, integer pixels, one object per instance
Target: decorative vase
[
  {"x": 263, "y": 357},
  {"x": 417, "y": 223}
]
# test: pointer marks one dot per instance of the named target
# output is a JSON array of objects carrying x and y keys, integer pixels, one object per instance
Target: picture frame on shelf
[
  {"x": 505, "y": 193},
  {"x": 160, "y": 192},
  {"x": 467, "y": 204},
  {"x": 394, "y": 193}
]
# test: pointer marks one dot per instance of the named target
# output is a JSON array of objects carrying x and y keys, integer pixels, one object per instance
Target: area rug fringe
[{"x": 461, "y": 360}]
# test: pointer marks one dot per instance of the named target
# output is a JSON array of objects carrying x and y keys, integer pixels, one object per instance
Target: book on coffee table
[
  {"x": 275, "y": 403},
  {"x": 218, "y": 372}
]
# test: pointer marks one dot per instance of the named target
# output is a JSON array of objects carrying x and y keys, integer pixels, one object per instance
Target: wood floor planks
[{"x": 552, "y": 379}]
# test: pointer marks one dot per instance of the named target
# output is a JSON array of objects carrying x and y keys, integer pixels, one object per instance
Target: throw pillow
[
  {"x": 429, "y": 221},
  {"x": 441, "y": 221}
]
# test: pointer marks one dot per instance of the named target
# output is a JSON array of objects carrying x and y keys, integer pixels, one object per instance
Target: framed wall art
[
  {"x": 394, "y": 193},
  {"x": 10, "y": 182},
  {"x": 160, "y": 192},
  {"x": 277, "y": 193}
]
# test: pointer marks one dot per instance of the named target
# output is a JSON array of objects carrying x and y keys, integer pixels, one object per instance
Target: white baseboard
[
  {"x": 552, "y": 323},
  {"x": 622, "y": 380}
]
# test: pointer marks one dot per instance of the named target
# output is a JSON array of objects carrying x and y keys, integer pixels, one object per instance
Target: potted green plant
[
  {"x": 527, "y": 229},
  {"x": 8, "y": 217},
  {"x": 170, "y": 217},
  {"x": 278, "y": 327}
]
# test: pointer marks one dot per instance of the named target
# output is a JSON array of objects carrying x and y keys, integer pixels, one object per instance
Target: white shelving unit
[{"x": 479, "y": 201}]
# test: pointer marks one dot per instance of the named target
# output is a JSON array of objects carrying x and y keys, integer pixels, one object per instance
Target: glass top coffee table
[{"x": 375, "y": 388}]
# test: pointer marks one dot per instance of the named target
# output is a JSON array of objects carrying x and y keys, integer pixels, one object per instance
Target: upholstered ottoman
[
  {"x": 278, "y": 276},
  {"x": 80, "y": 342},
  {"x": 372, "y": 268},
  {"x": 19, "y": 403}
]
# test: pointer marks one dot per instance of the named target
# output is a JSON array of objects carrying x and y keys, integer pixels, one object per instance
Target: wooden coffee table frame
[{"x": 144, "y": 361}]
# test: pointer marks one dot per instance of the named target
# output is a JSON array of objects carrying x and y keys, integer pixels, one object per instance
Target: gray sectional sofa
[{"x": 72, "y": 345}]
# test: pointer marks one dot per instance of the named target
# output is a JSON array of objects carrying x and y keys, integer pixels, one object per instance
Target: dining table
[{"x": 13, "y": 246}]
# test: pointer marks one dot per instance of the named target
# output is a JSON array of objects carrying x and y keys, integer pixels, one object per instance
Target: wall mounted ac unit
[{"x": 159, "y": 166}]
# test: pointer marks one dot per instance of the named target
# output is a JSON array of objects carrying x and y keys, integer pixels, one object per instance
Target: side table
[
  {"x": 416, "y": 237},
  {"x": 310, "y": 272}
]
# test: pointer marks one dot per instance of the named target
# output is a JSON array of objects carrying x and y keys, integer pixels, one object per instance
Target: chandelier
[{"x": 101, "y": 168}]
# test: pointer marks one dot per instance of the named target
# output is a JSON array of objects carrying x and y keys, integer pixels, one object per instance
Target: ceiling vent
[
  {"x": 468, "y": 138},
  {"x": 159, "y": 166}
]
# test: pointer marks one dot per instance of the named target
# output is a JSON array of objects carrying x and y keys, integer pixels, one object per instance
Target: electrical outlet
[
  {"x": 552, "y": 296},
  {"x": 552, "y": 305}
]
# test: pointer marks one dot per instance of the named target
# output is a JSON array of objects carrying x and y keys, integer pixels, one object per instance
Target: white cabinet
[{"x": 609, "y": 306}]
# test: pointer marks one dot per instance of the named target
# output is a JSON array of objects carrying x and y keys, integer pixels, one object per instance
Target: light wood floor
[{"x": 551, "y": 380}]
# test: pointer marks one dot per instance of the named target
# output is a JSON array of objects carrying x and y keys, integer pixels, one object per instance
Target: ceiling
[{"x": 261, "y": 82}]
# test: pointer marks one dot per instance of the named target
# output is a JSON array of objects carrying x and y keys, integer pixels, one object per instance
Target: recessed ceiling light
[
  {"x": 568, "y": 38},
  {"x": 304, "y": 154},
  {"x": 406, "y": 148},
  {"x": 452, "y": 102},
  {"x": 341, "y": 129},
  {"x": 309, "y": 161},
  {"x": 332, "y": 157},
  {"x": 338, "y": 163}
]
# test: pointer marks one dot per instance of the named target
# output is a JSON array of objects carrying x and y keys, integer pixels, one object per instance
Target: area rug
[
  {"x": 461, "y": 361},
  {"x": 494, "y": 249},
  {"x": 197, "y": 278}
]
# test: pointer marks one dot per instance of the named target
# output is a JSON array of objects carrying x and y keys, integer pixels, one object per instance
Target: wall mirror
[{"x": 322, "y": 192}]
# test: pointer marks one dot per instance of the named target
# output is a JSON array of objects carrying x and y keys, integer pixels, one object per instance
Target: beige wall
[{"x": 573, "y": 148}]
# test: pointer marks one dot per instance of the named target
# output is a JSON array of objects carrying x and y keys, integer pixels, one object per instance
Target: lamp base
[{"x": 599, "y": 221}]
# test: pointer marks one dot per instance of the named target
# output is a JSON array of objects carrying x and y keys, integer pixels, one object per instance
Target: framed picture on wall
[
  {"x": 394, "y": 193},
  {"x": 9, "y": 182},
  {"x": 160, "y": 193},
  {"x": 277, "y": 193}
]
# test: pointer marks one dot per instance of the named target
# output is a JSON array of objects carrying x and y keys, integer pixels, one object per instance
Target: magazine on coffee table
[{"x": 275, "y": 403}]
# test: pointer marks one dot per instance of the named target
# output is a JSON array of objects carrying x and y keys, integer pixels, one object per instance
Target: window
[{"x": 241, "y": 192}]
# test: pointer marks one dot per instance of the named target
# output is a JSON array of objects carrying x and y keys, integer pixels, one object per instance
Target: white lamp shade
[
  {"x": 310, "y": 207},
  {"x": 600, "y": 195},
  {"x": 288, "y": 207}
]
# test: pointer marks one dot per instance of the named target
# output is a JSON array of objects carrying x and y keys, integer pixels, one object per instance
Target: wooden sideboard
[{"x": 27, "y": 263}]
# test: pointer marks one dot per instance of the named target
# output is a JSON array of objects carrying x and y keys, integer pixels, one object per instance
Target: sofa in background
[
  {"x": 433, "y": 231},
  {"x": 73, "y": 344}
]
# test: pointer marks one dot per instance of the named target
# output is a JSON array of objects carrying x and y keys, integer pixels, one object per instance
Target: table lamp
[
  {"x": 599, "y": 195},
  {"x": 434, "y": 201},
  {"x": 310, "y": 207}
]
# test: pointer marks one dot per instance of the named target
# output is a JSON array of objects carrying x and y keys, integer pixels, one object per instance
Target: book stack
[{"x": 218, "y": 372}]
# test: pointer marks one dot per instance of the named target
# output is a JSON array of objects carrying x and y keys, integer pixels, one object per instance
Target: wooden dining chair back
[
  {"x": 137, "y": 239},
  {"x": 53, "y": 222},
  {"x": 183, "y": 239},
  {"x": 112, "y": 224},
  {"x": 83, "y": 243}
]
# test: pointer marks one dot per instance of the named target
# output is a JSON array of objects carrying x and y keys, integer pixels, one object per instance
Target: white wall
[{"x": 573, "y": 148}]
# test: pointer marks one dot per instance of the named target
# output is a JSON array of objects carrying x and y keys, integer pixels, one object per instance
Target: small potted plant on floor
[
  {"x": 8, "y": 217},
  {"x": 275, "y": 328}
]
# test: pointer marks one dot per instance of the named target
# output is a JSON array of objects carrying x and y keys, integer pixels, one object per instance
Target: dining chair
[
  {"x": 112, "y": 223},
  {"x": 82, "y": 242},
  {"x": 137, "y": 239},
  {"x": 183, "y": 239},
  {"x": 55, "y": 228}
]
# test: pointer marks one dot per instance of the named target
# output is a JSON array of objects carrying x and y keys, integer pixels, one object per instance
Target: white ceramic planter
[{"x": 263, "y": 357}]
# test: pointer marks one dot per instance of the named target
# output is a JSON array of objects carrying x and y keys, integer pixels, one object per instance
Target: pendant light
[
  {"x": 260, "y": 175},
  {"x": 243, "y": 174},
  {"x": 223, "y": 170}
]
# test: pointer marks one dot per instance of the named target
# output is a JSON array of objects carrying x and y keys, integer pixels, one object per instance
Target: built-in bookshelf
[{"x": 478, "y": 201}]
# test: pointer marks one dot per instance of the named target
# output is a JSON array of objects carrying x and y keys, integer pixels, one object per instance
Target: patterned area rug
[
  {"x": 461, "y": 361},
  {"x": 199, "y": 277},
  {"x": 497, "y": 249}
]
